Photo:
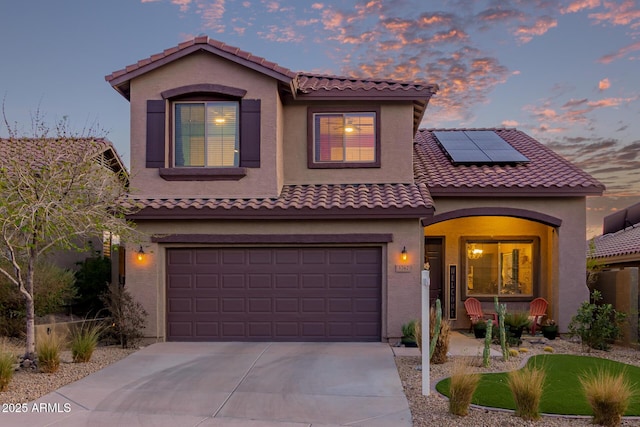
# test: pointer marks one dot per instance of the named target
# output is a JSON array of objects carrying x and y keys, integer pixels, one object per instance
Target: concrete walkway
[{"x": 233, "y": 384}]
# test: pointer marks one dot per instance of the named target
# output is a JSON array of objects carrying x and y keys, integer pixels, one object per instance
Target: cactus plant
[
  {"x": 501, "y": 309},
  {"x": 436, "y": 330},
  {"x": 486, "y": 361}
]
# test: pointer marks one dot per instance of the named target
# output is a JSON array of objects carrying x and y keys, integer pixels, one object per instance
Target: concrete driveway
[{"x": 233, "y": 384}]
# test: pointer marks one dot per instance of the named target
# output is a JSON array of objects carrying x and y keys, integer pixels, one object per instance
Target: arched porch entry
[{"x": 485, "y": 252}]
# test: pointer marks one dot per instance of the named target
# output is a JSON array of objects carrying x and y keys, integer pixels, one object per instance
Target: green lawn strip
[{"x": 562, "y": 393}]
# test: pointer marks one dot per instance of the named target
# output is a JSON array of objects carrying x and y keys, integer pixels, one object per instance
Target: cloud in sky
[{"x": 469, "y": 49}]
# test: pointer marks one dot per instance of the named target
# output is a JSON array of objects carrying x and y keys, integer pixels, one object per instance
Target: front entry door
[{"x": 433, "y": 252}]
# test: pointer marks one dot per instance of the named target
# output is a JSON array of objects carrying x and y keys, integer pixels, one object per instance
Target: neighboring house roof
[
  {"x": 546, "y": 174},
  {"x": 326, "y": 201},
  {"x": 295, "y": 84},
  {"x": 103, "y": 149},
  {"x": 622, "y": 243}
]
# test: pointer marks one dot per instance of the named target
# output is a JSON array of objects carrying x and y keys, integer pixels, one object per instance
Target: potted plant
[
  {"x": 516, "y": 322},
  {"x": 550, "y": 329},
  {"x": 409, "y": 334},
  {"x": 480, "y": 328}
]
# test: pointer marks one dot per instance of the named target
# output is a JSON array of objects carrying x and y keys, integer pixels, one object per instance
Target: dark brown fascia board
[
  {"x": 273, "y": 238},
  {"x": 517, "y": 192},
  {"x": 278, "y": 214},
  {"x": 494, "y": 211},
  {"x": 122, "y": 81},
  {"x": 362, "y": 94}
]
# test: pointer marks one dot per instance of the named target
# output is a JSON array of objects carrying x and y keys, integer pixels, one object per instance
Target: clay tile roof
[
  {"x": 546, "y": 173},
  {"x": 309, "y": 83},
  {"x": 294, "y": 200},
  {"x": 101, "y": 147},
  {"x": 119, "y": 79},
  {"x": 620, "y": 243}
]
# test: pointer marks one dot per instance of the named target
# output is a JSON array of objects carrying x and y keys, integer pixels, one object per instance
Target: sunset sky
[{"x": 565, "y": 72}]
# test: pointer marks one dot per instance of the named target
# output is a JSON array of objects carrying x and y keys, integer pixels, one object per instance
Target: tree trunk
[
  {"x": 31, "y": 329},
  {"x": 31, "y": 310}
]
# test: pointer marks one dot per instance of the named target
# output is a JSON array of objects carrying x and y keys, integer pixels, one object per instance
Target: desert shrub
[
  {"x": 48, "y": 348},
  {"x": 462, "y": 387},
  {"x": 526, "y": 386},
  {"x": 418, "y": 334},
  {"x": 597, "y": 325},
  {"x": 127, "y": 316},
  {"x": 84, "y": 340},
  {"x": 7, "y": 360},
  {"x": 92, "y": 277},
  {"x": 608, "y": 395},
  {"x": 53, "y": 290}
]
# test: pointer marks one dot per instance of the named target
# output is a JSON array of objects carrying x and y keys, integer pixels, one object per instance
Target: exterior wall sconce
[
  {"x": 403, "y": 254},
  {"x": 140, "y": 254}
]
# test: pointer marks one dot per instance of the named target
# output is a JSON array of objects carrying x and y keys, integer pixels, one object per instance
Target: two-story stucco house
[{"x": 300, "y": 207}]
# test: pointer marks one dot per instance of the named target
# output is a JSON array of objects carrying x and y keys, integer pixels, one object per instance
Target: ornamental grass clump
[
  {"x": 7, "y": 360},
  {"x": 84, "y": 340},
  {"x": 526, "y": 386},
  {"x": 608, "y": 394},
  {"x": 463, "y": 386},
  {"x": 48, "y": 348}
]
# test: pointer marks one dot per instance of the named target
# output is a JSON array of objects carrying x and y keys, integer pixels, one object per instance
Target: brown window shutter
[
  {"x": 155, "y": 133},
  {"x": 250, "y": 133}
]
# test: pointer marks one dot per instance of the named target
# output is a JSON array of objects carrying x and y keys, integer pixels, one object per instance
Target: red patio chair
[
  {"x": 474, "y": 311},
  {"x": 537, "y": 310}
]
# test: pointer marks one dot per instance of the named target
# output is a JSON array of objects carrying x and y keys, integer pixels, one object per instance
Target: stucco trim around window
[
  {"x": 312, "y": 164},
  {"x": 202, "y": 174},
  {"x": 204, "y": 88}
]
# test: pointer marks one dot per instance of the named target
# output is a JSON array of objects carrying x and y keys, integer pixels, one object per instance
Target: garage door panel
[
  {"x": 233, "y": 281},
  {"x": 207, "y": 329},
  {"x": 207, "y": 257},
  {"x": 284, "y": 281},
  {"x": 286, "y": 305},
  {"x": 206, "y": 281},
  {"x": 286, "y": 294},
  {"x": 258, "y": 281},
  {"x": 207, "y": 305},
  {"x": 260, "y": 305},
  {"x": 313, "y": 305}
]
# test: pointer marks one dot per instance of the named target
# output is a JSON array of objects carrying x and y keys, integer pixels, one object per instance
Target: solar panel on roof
[{"x": 478, "y": 147}]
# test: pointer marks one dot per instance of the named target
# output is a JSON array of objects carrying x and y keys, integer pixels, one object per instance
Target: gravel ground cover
[
  {"x": 27, "y": 386},
  {"x": 433, "y": 410}
]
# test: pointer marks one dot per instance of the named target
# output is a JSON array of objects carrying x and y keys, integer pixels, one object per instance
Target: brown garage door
[{"x": 280, "y": 294}]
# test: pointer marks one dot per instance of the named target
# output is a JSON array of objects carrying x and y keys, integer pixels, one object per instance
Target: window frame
[
  {"x": 204, "y": 102},
  {"x": 312, "y": 164},
  {"x": 536, "y": 264}
]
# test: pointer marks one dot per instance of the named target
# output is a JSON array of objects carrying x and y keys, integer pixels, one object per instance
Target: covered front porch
[{"x": 515, "y": 254}]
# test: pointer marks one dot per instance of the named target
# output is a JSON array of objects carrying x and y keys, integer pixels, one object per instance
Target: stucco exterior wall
[
  {"x": 146, "y": 280},
  {"x": 563, "y": 274},
  {"x": 205, "y": 68}
]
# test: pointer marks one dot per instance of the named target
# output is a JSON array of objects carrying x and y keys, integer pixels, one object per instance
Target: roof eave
[
  {"x": 515, "y": 192},
  {"x": 280, "y": 214}
]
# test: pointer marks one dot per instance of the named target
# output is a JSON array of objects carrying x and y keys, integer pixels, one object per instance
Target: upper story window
[
  {"x": 213, "y": 133},
  {"x": 503, "y": 268},
  {"x": 206, "y": 134},
  {"x": 343, "y": 139}
]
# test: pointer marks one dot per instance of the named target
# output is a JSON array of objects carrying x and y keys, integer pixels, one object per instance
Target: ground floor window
[{"x": 500, "y": 267}]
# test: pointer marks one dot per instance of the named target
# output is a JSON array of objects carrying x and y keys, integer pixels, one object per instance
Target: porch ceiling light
[{"x": 473, "y": 252}]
